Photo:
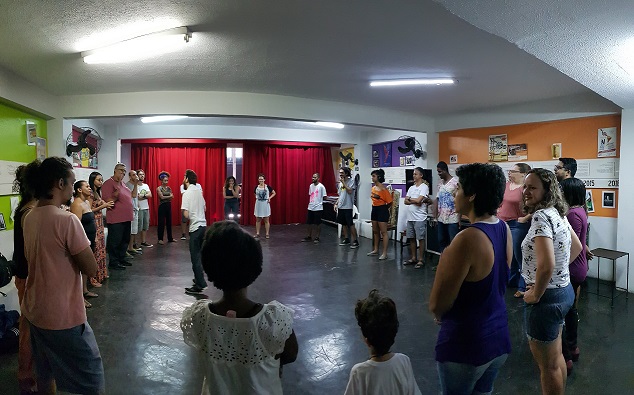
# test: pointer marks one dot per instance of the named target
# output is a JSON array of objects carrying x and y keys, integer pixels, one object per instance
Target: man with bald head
[{"x": 119, "y": 217}]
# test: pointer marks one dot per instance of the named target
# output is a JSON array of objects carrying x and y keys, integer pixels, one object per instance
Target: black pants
[
  {"x": 569, "y": 334},
  {"x": 118, "y": 240},
  {"x": 165, "y": 218}
]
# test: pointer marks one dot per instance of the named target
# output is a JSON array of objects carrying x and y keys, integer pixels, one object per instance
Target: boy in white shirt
[
  {"x": 417, "y": 200},
  {"x": 385, "y": 372}
]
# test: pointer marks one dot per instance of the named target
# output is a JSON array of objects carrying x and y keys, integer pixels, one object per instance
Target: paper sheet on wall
[
  {"x": 606, "y": 142},
  {"x": 14, "y": 204}
]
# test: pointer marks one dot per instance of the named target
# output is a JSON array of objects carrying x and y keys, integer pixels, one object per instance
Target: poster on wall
[
  {"x": 498, "y": 148},
  {"x": 386, "y": 154},
  {"x": 453, "y": 159},
  {"x": 518, "y": 152},
  {"x": 31, "y": 133},
  {"x": 40, "y": 148},
  {"x": 555, "y": 151},
  {"x": 589, "y": 201},
  {"x": 606, "y": 142},
  {"x": 608, "y": 200}
]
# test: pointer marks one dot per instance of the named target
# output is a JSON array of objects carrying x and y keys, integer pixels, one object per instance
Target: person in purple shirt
[
  {"x": 119, "y": 217},
  {"x": 575, "y": 195},
  {"x": 467, "y": 298}
]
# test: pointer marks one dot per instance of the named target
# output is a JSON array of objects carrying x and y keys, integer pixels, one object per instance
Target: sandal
[
  {"x": 257, "y": 236},
  {"x": 518, "y": 294},
  {"x": 373, "y": 253},
  {"x": 90, "y": 294},
  {"x": 419, "y": 265},
  {"x": 382, "y": 257},
  {"x": 408, "y": 262},
  {"x": 87, "y": 304},
  {"x": 267, "y": 236}
]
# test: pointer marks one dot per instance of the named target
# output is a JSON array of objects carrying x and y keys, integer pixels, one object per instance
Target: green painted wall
[{"x": 13, "y": 146}]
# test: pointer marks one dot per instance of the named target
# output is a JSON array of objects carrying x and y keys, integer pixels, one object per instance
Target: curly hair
[
  {"x": 487, "y": 182},
  {"x": 552, "y": 195},
  {"x": 376, "y": 315},
  {"x": 231, "y": 257},
  {"x": 380, "y": 175},
  {"x": 227, "y": 181},
  {"x": 163, "y": 174},
  {"x": 20, "y": 184}
]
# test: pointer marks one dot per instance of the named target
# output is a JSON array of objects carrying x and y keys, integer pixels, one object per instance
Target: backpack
[{"x": 6, "y": 270}]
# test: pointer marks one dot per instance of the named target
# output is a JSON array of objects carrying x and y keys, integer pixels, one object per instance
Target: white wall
[
  {"x": 625, "y": 227},
  {"x": 27, "y": 96}
]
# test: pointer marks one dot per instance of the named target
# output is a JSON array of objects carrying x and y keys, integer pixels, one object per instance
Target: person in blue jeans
[
  {"x": 193, "y": 210},
  {"x": 467, "y": 298}
]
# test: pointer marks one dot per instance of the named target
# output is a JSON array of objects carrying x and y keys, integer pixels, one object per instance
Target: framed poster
[
  {"x": 518, "y": 152},
  {"x": 3, "y": 225},
  {"x": 40, "y": 148},
  {"x": 589, "y": 201},
  {"x": 453, "y": 159},
  {"x": 31, "y": 133},
  {"x": 608, "y": 199},
  {"x": 498, "y": 148},
  {"x": 556, "y": 151}
]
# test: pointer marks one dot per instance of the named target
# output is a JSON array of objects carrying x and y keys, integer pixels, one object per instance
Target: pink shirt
[
  {"x": 53, "y": 297},
  {"x": 122, "y": 210},
  {"x": 510, "y": 208}
]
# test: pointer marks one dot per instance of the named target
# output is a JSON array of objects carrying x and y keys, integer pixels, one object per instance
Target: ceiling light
[
  {"x": 423, "y": 81},
  {"x": 140, "y": 47},
  {"x": 625, "y": 57},
  {"x": 162, "y": 118},
  {"x": 333, "y": 125}
]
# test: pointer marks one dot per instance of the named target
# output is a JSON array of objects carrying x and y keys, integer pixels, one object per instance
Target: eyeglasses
[
  {"x": 557, "y": 167},
  {"x": 514, "y": 171}
]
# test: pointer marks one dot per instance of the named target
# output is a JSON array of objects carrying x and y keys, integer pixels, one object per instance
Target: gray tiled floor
[{"x": 136, "y": 321}]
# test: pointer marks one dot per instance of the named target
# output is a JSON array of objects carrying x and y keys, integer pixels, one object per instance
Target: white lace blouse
[{"x": 239, "y": 353}]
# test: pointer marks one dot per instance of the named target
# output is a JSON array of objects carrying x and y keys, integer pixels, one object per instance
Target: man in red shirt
[{"x": 119, "y": 217}]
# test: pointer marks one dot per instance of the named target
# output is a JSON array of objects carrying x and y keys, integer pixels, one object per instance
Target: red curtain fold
[
  {"x": 288, "y": 170},
  {"x": 208, "y": 161}
]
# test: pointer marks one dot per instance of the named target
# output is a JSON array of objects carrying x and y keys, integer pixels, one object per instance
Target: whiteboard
[{"x": 7, "y": 175}]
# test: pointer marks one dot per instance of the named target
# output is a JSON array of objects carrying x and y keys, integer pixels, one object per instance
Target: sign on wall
[{"x": 607, "y": 142}]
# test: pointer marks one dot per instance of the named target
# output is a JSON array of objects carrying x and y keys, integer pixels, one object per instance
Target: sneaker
[
  {"x": 344, "y": 242},
  {"x": 132, "y": 252},
  {"x": 144, "y": 244},
  {"x": 306, "y": 239},
  {"x": 194, "y": 290},
  {"x": 354, "y": 244},
  {"x": 316, "y": 241},
  {"x": 194, "y": 284},
  {"x": 139, "y": 250},
  {"x": 128, "y": 255},
  {"x": 116, "y": 267},
  {"x": 171, "y": 241},
  {"x": 161, "y": 242},
  {"x": 136, "y": 246},
  {"x": 183, "y": 237},
  {"x": 126, "y": 263}
]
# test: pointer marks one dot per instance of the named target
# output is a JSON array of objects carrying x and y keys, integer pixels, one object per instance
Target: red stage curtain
[
  {"x": 209, "y": 161},
  {"x": 288, "y": 170}
]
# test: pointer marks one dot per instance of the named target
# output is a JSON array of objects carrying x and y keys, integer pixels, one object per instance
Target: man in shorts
[
  {"x": 144, "y": 194},
  {"x": 65, "y": 350},
  {"x": 347, "y": 189},
  {"x": 316, "y": 193},
  {"x": 417, "y": 199}
]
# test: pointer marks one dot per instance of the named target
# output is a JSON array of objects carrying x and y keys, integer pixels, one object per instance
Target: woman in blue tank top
[{"x": 467, "y": 298}]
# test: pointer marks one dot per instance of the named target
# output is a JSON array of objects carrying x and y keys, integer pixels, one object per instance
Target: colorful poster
[
  {"x": 606, "y": 142},
  {"x": 518, "y": 152},
  {"x": 498, "y": 148},
  {"x": 40, "y": 148},
  {"x": 386, "y": 155},
  {"x": 589, "y": 201}
]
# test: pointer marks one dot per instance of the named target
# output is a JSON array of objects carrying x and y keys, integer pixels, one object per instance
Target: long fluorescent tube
[
  {"x": 140, "y": 47},
  {"x": 333, "y": 125},
  {"x": 426, "y": 81},
  {"x": 162, "y": 118}
]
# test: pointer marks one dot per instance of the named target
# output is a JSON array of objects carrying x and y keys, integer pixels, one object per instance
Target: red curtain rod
[{"x": 194, "y": 141}]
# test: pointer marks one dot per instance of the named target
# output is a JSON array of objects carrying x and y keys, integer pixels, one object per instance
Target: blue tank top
[{"x": 475, "y": 330}]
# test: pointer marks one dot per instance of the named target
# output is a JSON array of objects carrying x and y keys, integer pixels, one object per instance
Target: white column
[{"x": 625, "y": 221}]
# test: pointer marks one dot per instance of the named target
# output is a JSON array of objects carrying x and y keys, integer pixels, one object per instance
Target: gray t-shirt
[
  {"x": 135, "y": 200},
  {"x": 346, "y": 199}
]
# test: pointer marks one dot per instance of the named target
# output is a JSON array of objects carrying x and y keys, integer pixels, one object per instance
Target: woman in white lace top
[{"x": 243, "y": 343}]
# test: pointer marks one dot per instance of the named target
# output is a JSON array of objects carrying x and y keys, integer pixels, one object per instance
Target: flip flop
[
  {"x": 90, "y": 295},
  {"x": 87, "y": 304},
  {"x": 419, "y": 265},
  {"x": 382, "y": 258},
  {"x": 372, "y": 253},
  {"x": 518, "y": 294},
  {"x": 408, "y": 262},
  {"x": 267, "y": 236}
]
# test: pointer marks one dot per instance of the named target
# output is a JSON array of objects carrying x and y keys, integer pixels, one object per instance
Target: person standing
[
  {"x": 165, "y": 196},
  {"x": 343, "y": 208},
  {"x": 231, "y": 195},
  {"x": 381, "y": 201},
  {"x": 511, "y": 212},
  {"x": 57, "y": 250},
  {"x": 193, "y": 210},
  {"x": 133, "y": 185},
  {"x": 316, "y": 193},
  {"x": 95, "y": 181},
  {"x": 417, "y": 199},
  {"x": 119, "y": 217},
  {"x": 263, "y": 195},
  {"x": 81, "y": 208},
  {"x": 144, "y": 194},
  {"x": 446, "y": 216},
  {"x": 185, "y": 225},
  {"x": 565, "y": 168}
]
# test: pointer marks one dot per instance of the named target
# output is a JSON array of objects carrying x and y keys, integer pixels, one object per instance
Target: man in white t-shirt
[
  {"x": 316, "y": 193},
  {"x": 185, "y": 225},
  {"x": 143, "y": 194},
  {"x": 193, "y": 209},
  {"x": 417, "y": 199}
]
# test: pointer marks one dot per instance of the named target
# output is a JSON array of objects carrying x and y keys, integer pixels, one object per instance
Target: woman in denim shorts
[{"x": 548, "y": 249}]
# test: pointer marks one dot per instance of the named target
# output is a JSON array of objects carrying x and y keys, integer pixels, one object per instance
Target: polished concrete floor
[{"x": 136, "y": 320}]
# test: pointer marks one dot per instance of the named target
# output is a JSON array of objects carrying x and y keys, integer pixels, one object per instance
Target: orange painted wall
[{"x": 578, "y": 138}]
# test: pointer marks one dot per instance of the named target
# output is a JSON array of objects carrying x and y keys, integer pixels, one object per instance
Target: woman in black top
[
  {"x": 82, "y": 209},
  {"x": 165, "y": 195},
  {"x": 231, "y": 195}
]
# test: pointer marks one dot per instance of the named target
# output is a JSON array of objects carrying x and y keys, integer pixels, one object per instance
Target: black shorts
[
  {"x": 314, "y": 217},
  {"x": 344, "y": 216},
  {"x": 380, "y": 213}
]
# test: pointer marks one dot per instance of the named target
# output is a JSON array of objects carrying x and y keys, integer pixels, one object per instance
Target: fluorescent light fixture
[
  {"x": 140, "y": 47},
  {"x": 625, "y": 57},
  {"x": 162, "y": 118},
  {"x": 423, "y": 81},
  {"x": 333, "y": 125}
]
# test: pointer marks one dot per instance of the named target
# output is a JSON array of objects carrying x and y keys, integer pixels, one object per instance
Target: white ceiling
[{"x": 324, "y": 50}]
